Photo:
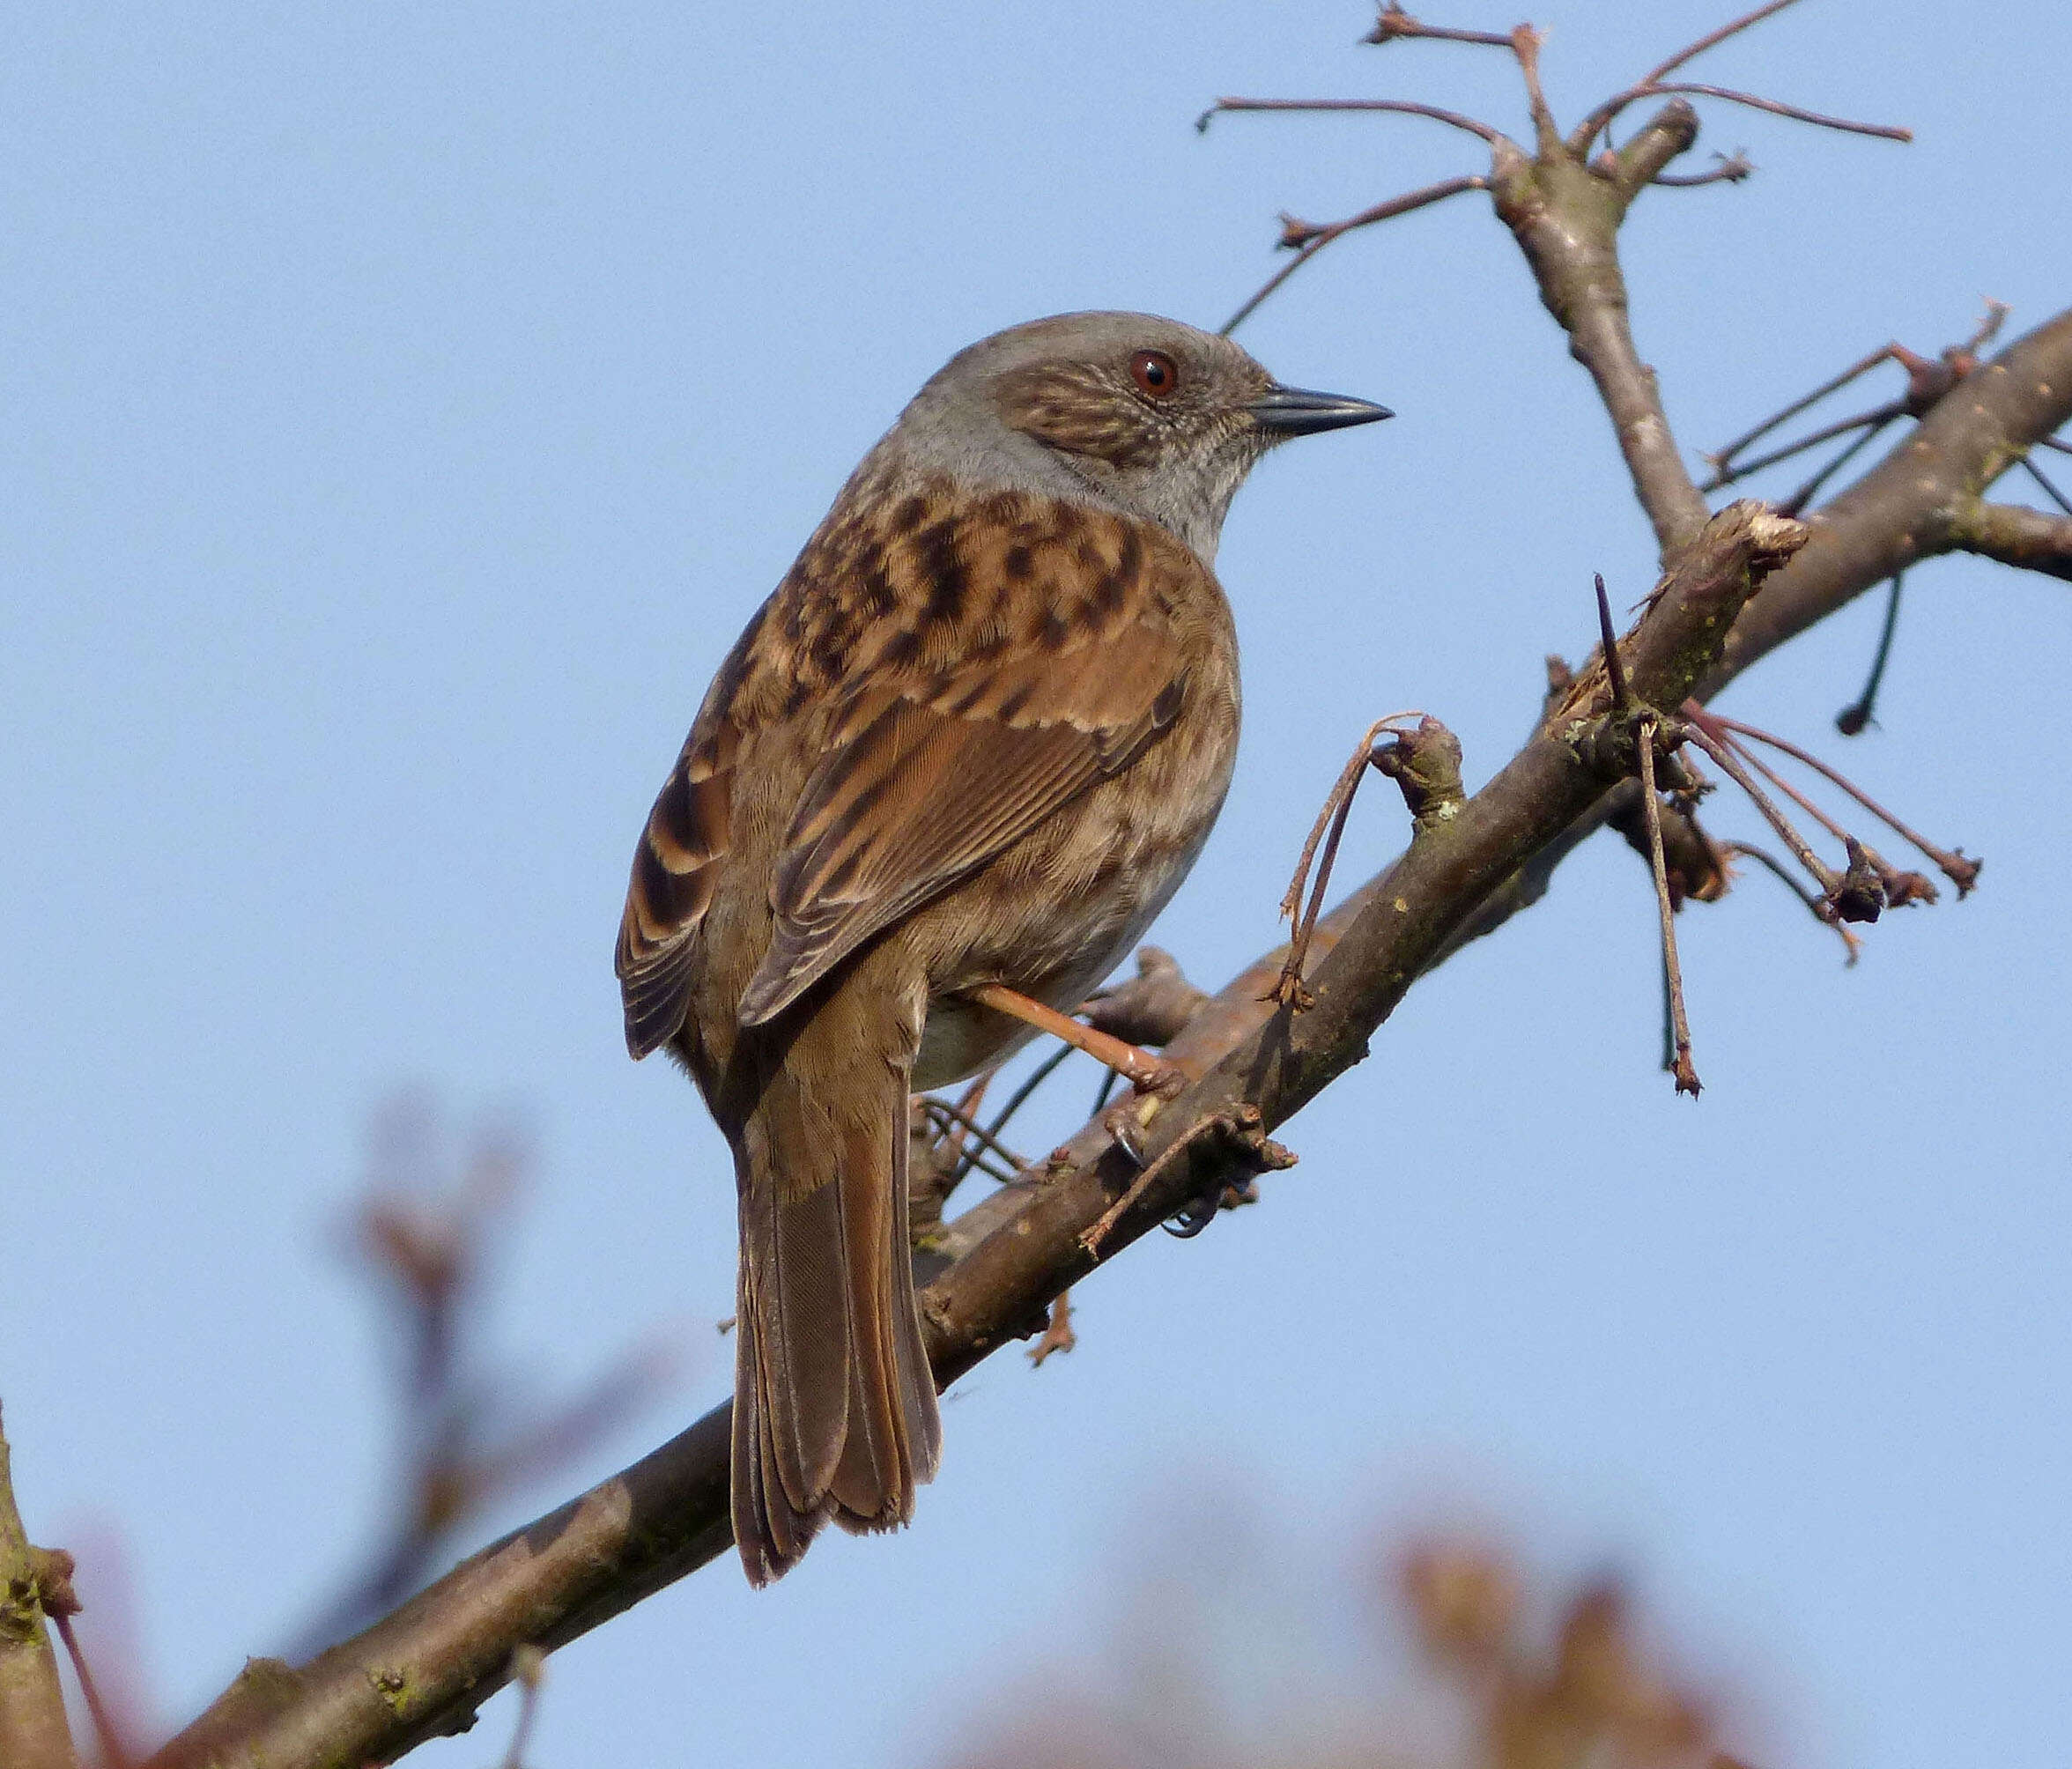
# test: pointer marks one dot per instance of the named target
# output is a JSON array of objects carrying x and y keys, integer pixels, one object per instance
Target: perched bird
[{"x": 942, "y": 782}]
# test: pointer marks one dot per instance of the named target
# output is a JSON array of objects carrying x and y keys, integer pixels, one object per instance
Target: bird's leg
[{"x": 1147, "y": 1074}]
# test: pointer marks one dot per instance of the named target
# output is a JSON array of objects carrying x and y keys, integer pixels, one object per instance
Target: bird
[{"x": 941, "y": 783}]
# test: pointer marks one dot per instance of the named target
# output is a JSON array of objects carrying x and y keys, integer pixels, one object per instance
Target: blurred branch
[{"x": 428, "y": 1239}]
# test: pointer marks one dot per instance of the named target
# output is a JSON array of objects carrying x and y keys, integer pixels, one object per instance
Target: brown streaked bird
[{"x": 940, "y": 785}]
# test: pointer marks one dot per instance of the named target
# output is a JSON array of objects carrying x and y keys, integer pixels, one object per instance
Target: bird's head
[{"x": 1152, "y": 416}]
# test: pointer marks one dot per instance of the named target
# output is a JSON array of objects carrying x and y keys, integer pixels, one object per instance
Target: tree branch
[
  {"x": 1908, "y": 507},
  {"x": 34, "y": 1733},
  {"x": 426, "y": 1667},
  {"x": 1565, "y": 217},
  {"x": 2016, "y": 535}
]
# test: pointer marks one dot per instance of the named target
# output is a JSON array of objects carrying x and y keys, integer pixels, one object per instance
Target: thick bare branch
[
  {"x": 2016, "y": 535},
  {"x": 1565, "y": 217}
]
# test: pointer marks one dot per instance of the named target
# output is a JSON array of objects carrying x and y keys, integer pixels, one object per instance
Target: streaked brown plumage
[{"x": 976, "y": 736}]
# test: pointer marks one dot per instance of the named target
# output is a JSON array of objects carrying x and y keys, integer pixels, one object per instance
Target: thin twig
[
  {"x": 115, "y": 1750},
  {"x": 1884, "y": 131},
  {"x": 1806, "y": 493},
  {"x": 1852, "y": 718},
  {"x": 1732, "y": 169},
  {"x": 1338, "y": 807},
  {"x": 528, "y": 1669},
  {"x": 947, "y": 1115},
  {"x": 1793, "y": 793},
  {"x": 2051, "y": 491},
  {"x": 1962, "y": 872},
  {"x": 1725, "y": 456},
  {"x": 1692, "y": 51},
  {"x": 1403, "y": 107},
  {"x": 1730, "y": 764},
  {"x": 1614, "y": 664},
  {"x": 1525, "y": 44},
  {"x": 1042, "y": 1072},
  {"x": 1725, "y": 475},
  {"x": 1308, "y": 248},
  {"x": 1687, "y": 1081},
  {"x": 1852, "y": 943},
  {"x": 1395, "y": 25},
  {"x": 952, "y": 1137},
  {"x": 1587, "y": 131}
]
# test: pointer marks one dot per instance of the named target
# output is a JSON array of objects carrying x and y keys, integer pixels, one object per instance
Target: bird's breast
[{"x": 1062, "y": 910}]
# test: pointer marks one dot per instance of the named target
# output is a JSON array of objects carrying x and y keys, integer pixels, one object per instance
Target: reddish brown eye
[{"x": 1155, "y": 372}]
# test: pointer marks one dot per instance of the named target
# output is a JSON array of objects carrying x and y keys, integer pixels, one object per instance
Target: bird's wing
[
  {"x": 675, "y": 862},
  {"x": 925, "y": 780},
  {"x": 970, "y": 669}
]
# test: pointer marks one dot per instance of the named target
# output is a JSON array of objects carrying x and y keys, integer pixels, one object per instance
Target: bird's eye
[{"x": 1155, "y": 372}]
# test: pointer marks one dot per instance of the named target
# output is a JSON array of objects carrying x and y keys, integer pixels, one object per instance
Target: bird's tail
[{"x": 834, "y": 1406}]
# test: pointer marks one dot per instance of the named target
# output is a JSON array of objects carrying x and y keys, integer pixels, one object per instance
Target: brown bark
[{"x": 34, "y": 1733}]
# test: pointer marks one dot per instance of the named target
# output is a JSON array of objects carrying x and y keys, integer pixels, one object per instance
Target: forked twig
[
  {"x": 1961, "y": 871},
  {"x": 1726, "y": 475},
  {"x": 1288, "y": 990},
  {"x": 1928, "y": 377},
  {"x": 1900, "y": 888},
  {"x": 1806, "y": 493},
  {"x": 1307, "y": 241},
  {"x": 1803, "y": 404}
]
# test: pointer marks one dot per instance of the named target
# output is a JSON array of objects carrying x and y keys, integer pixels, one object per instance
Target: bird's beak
[{"x": 1295, "y": 411}]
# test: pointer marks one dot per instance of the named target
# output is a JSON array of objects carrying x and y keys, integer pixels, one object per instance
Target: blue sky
[{"x": 405, "y": 407}]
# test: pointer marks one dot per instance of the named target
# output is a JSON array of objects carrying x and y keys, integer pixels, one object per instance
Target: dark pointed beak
[{"x": 1297, "y": 411}]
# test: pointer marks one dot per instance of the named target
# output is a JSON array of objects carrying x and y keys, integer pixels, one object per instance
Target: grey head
[{"x": 1126, "y": 410}]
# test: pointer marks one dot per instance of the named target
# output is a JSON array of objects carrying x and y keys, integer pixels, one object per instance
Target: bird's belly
[{"x": 1070, "y": 924}]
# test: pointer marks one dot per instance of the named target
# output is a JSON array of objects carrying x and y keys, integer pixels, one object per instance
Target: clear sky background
[{"x": 404, "y": 407}]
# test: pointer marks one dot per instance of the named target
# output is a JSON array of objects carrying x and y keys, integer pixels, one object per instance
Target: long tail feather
[{"x": 835, "y": 1410}]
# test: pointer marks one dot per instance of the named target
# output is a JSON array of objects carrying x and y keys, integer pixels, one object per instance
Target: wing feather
[{"x": 944, "y": 778}]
